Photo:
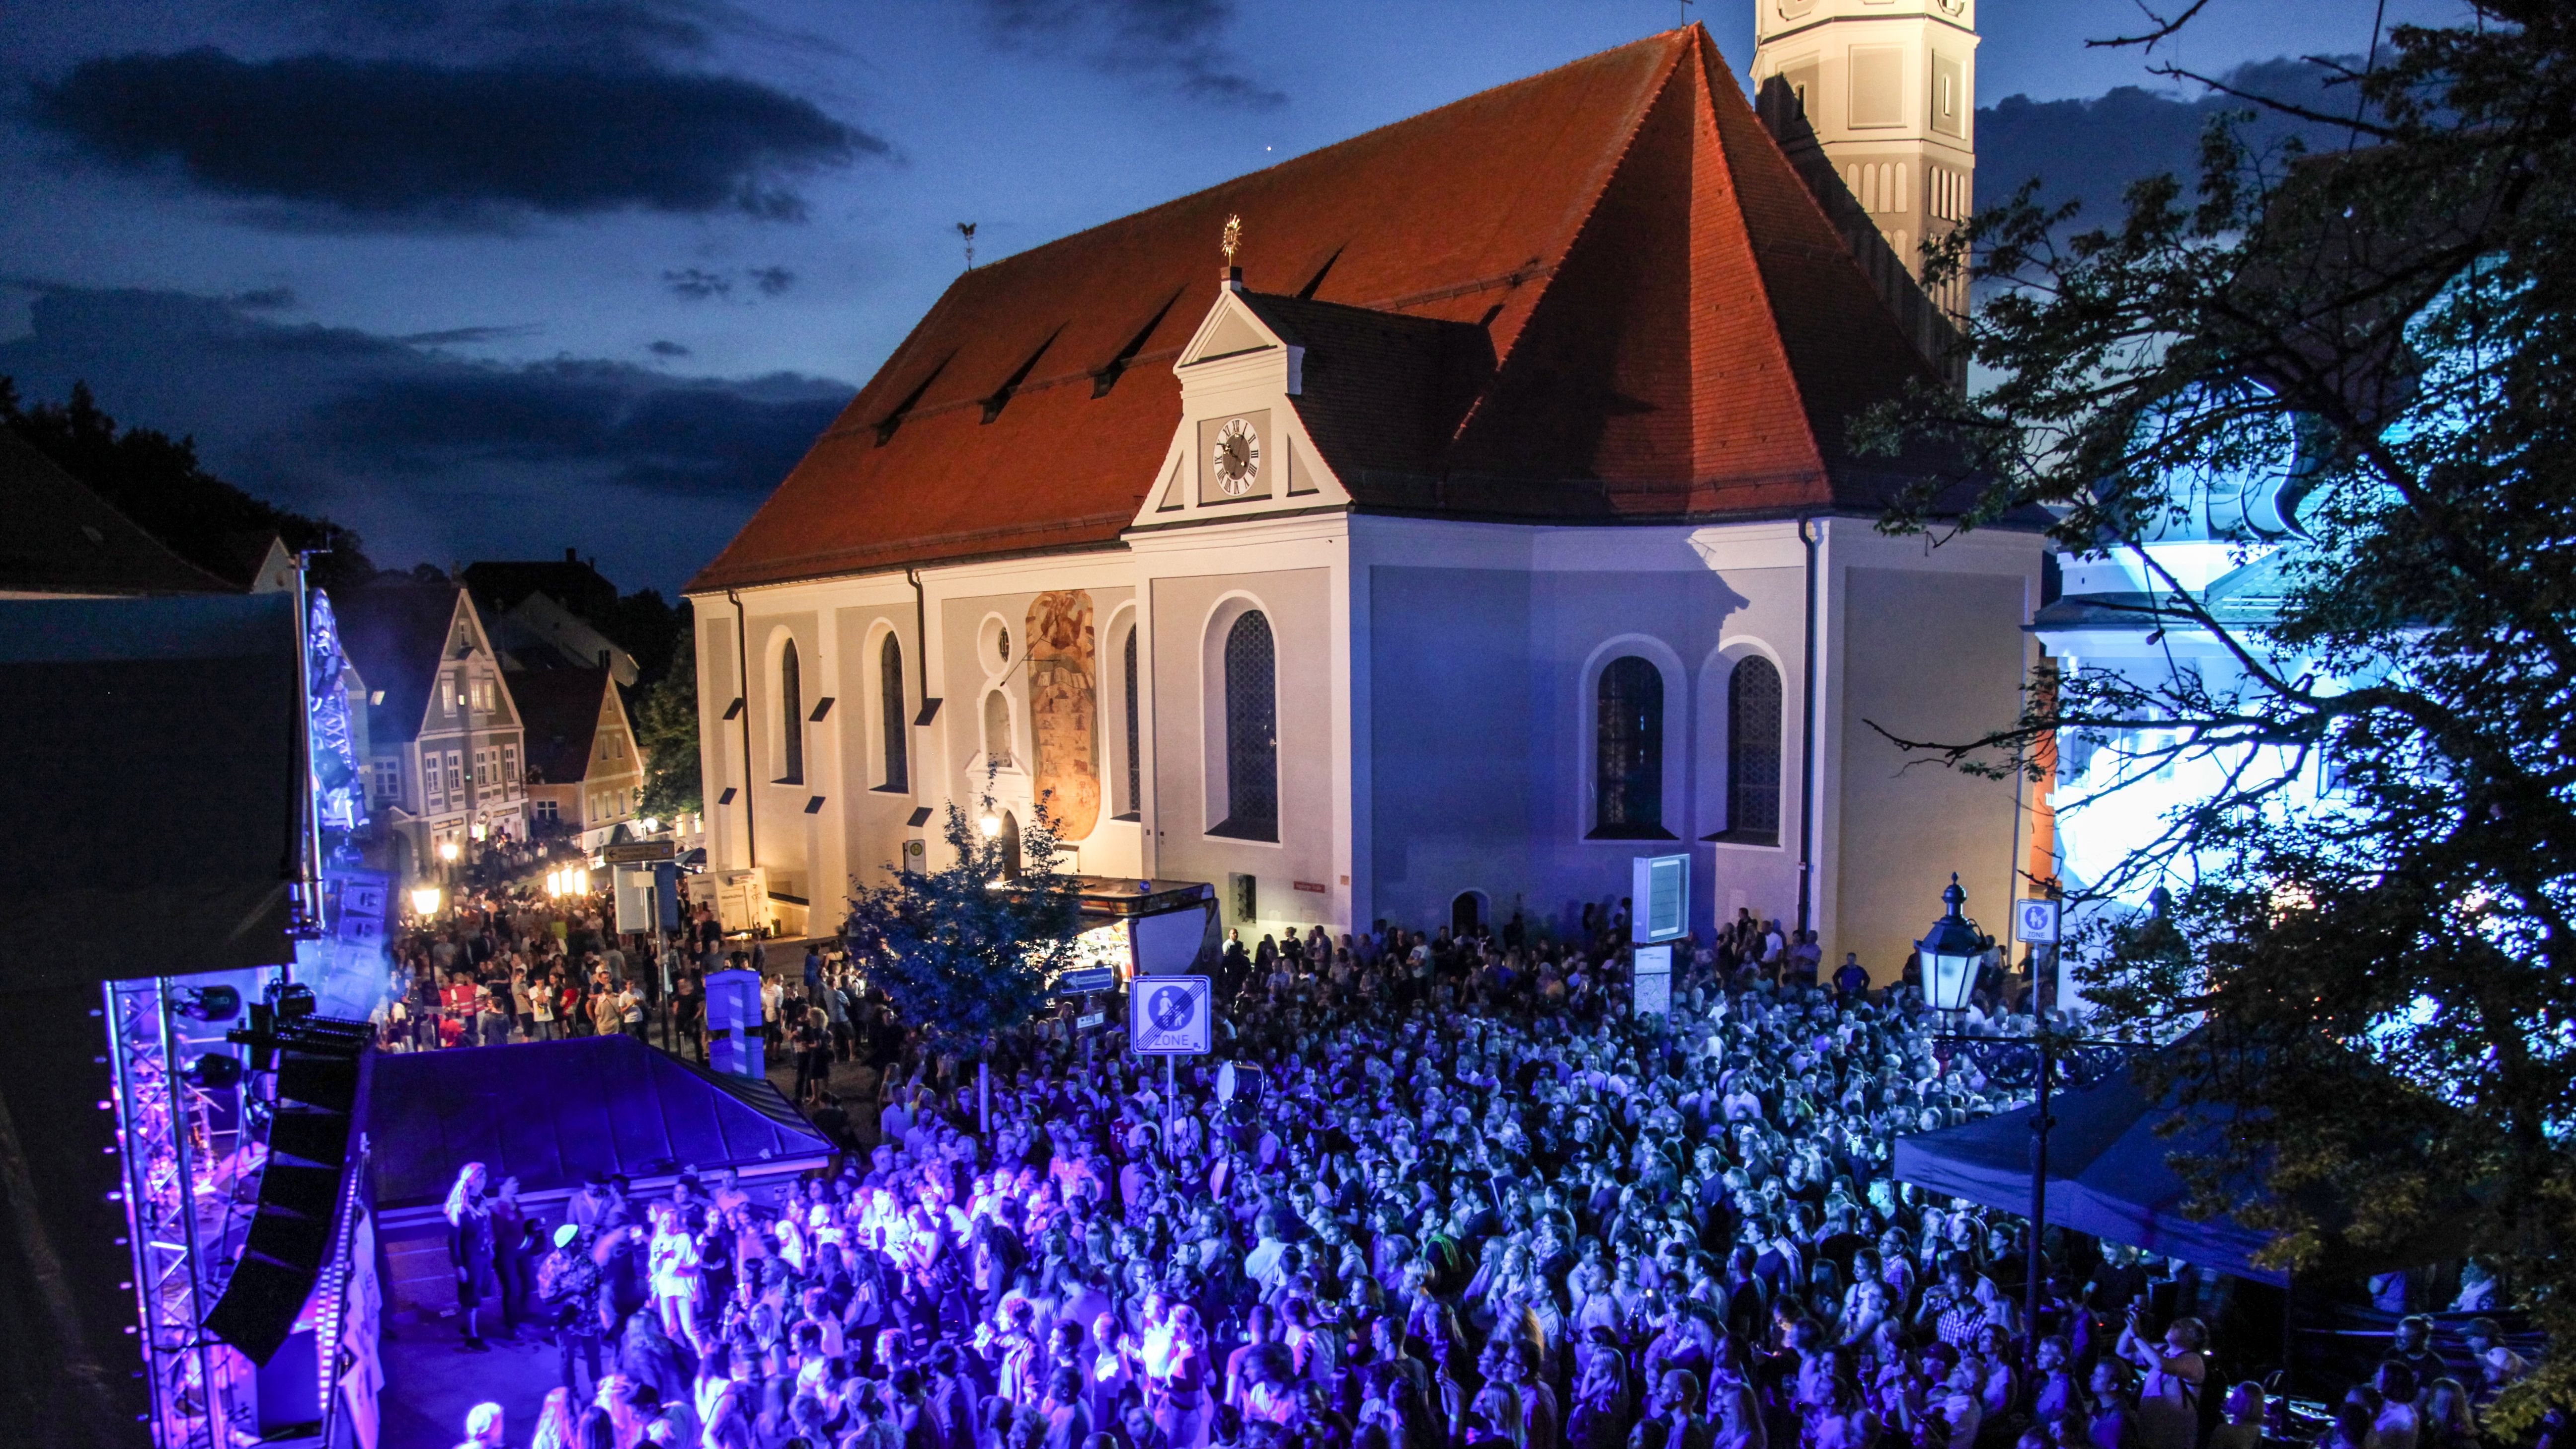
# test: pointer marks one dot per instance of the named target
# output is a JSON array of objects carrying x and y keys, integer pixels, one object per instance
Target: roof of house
[
  {"x": 501, "y": 584},
  {"x": 558, "y": 717},
  {"x": 1598, "y": 293},
  {"x": 396, "y": 633},
  {"x": 63, "y": 538}
]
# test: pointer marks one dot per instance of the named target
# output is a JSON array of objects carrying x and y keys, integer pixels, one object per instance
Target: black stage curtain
[{"x": 153, "y": 786}]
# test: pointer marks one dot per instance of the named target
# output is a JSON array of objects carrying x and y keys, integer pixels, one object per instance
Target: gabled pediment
[
  {"x": 1242, "y": 448},
  {"x": 1229, "y": 330}
]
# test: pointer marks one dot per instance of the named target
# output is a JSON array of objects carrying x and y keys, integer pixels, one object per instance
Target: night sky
[{"x": 490, "y": 278}]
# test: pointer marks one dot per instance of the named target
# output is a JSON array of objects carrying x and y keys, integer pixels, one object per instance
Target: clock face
[{"x": 1236, "y": 457}]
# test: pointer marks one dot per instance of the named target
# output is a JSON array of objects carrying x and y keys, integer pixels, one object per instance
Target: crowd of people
[{"x": 1432, "y": 1192}]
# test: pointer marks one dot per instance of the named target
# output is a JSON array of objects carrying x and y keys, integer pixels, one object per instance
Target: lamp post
[{"x": 1951, "y": 953}]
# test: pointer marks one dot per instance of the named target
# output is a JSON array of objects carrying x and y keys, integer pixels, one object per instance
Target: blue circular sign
[{"x": 1170, "y": 1008}]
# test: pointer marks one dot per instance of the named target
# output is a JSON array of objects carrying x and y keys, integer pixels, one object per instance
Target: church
[{"x": 1421, "y": 529}]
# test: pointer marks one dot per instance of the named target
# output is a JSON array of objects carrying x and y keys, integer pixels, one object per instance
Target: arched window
[
  {"x": 1753, "y": 752},
  {"x": 898, "y": 764},
  {"x": 791, "y": 717},
  {"x": 1133, "y": 803},
  {"x": 997, "y": 729},
  {"x": 1628, "y": 752},
  {"x": 1010, "y": 846},
  {"x": 1251, "y": 731}
]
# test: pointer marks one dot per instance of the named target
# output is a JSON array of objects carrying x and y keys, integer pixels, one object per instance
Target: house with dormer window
[{"x": 445, "y": 766}]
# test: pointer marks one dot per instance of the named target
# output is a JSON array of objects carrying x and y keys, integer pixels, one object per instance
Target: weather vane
[
  {"x": 1233, "y": 238},
  {"x": 966, "y": 230}
]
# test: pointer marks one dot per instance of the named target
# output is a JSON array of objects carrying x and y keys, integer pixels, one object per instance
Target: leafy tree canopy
[
  {"x": 666, "y": 723},
  {"x": 2387, "y": 328},
  {"x": 967, "y": 950}
]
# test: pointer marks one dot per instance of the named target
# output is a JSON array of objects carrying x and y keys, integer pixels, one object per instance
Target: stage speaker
[
  {"x": 320, "y": 1138},
  {"x": 316, "y": 1080},
  {"x": 299, "y": 1189}
]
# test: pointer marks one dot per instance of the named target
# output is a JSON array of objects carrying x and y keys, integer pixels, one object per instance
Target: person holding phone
[{"x": 2175, "y": 1368}]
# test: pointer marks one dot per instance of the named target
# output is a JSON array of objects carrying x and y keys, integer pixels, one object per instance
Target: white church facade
[{"x": 1489, "y": 524}]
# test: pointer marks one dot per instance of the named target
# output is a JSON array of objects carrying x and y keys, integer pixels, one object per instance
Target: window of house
[
  {"x": 791, "y": 717},
  {"x": 388, "y": 779},
  {"x": 1628, "y": 752},
  {"x": 1251, "y": 730},
  {"x": 433, "y": 785},
  {"x": 891, "y": 724},
  {"x": 1753, "y": 752},
  {"x": 545, "y": 811},
  {"x": 456, "y": 773},
  {"x": 510, "y": 764},
  {"x": 1133, "y": 802}
]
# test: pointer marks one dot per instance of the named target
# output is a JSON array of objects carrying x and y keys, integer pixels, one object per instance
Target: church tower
[{"x": 1875, "y": 102}]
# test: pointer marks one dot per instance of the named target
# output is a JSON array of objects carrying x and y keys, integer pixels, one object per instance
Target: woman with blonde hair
[
  {"x": 469, "y": 1250},
  {"x": 554, "y": 1421},
  {"x": 1179, "y": 1382}
]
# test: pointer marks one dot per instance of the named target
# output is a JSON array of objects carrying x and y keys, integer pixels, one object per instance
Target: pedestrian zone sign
[
  {"x": 2035, "y": 922},
  {"x": 1170, "y": 1016}
]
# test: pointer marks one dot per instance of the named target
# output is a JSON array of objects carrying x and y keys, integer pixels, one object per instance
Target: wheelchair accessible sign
[{"x": 1170, "y": 1016}]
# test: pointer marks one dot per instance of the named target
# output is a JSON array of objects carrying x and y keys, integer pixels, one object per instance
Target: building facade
[
  {"x": 585, "y": 776},
  {"x": 1486, "y": 521},
  {"x": 445, "y": 748}
]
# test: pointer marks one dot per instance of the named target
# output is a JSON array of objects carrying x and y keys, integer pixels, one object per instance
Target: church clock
[{"x": 1236, "y": 457}]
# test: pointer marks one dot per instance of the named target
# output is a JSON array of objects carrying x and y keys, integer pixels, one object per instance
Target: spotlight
[
  {"x": 210, "y": 1003},
  {"x": 214, "y": 1071}
]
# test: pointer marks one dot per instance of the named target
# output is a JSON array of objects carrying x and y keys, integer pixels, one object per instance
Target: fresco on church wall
[{"x": 1064, "y": 710}]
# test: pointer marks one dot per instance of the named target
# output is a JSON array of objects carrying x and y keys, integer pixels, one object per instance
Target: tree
[
  {"x": 666, "y": 728},
  {"x": 967, "y": 950},
  {"x": 157, "y": 481},
  {"x": 2386, "y": 975}
]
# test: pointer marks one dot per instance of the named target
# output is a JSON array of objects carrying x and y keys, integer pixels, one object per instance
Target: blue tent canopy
[
  {"x": 2107, "y": 1172},
  {"x": 551, "y": 1113}
]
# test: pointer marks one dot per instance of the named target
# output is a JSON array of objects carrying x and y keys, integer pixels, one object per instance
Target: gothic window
[
  {"x": 890, "y": 709},
  {"x": 1010, "y": 846},
  {"x": 791, "y": 717},
  {"x": 1628, "y": 752},
  {"x": 1132, "y": 804},
  {"x": 1251, "y": 731},
  {"x": 1753, "y": 752}
]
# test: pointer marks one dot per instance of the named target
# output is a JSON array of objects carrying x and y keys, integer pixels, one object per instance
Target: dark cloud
[
  {"x": 665, "y": 347},
  {"x": 771, "y": 280},
  {"x": 350, "y": 142},
  {"x": 429, "y": 455},
  {"x": 697, "y": 285},
  {"x": 2092, "y": 149},
  {"x": 265, "y": 299},
  {"x": 451, "y": 336},
  {"x": 609, "y": 32},
  {"x": 1177, "y": 42}
]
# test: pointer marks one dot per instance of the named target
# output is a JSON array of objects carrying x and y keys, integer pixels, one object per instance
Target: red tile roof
[{"x": 1674, "y": 331}]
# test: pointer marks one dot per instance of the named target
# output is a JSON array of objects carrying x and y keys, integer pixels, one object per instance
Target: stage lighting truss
[{"x": 191, "y": 1167}]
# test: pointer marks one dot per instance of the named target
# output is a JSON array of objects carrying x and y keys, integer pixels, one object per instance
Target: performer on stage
[{"x": 469, "y": 1247}]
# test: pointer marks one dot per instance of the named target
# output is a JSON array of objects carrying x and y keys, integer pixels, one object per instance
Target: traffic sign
[
  {"x": 635, "y": 852},
  {"x": 1660, "y": 896},
  {"x": 1087, "y": 980},
  {"x": 1170, "y": 1016},
  {"x": 1651, "y": 981},
  {"x": 2035, "y": 923}
]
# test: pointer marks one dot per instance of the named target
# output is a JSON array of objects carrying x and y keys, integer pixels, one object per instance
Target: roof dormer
[{"x": 1242, "y": 447}]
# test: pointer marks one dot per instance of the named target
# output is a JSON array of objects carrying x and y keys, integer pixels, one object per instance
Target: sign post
[
  {"x": 2038, "y": 923},
  {"x": 1167, "y": 1017},
  {"x": 1659, "y": 901}
]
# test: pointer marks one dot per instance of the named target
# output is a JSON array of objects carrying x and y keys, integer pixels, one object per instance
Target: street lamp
[
  {"x": 991, "y": 825},
  {"x": 1951, "y": 952},
  {"x": 424, "y": 901}
]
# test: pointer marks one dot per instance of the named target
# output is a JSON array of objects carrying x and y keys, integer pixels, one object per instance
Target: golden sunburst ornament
[{"x": 1233, "y": 238}]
